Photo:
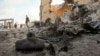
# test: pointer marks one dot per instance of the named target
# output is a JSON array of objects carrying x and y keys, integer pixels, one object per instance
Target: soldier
[
  {"x": 21, "y": 26},
  {"x": 15, "y": 25},
  {"x": 27, "y": 20}
]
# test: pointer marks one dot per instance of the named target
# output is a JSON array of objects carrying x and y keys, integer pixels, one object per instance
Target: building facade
[
  {"x": 46, "y": 13},
  {"x": 44, "y": 9}
]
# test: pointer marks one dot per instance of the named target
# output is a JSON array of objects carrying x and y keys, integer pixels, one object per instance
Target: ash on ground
[{"x": 80, "y": 37}]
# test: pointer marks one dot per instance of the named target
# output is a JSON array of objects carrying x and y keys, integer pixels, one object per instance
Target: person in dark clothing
[
  {"x": 15, "y": 25},
  {"x": 21, "y": 25},
  {"x": 27, "y": 20}
]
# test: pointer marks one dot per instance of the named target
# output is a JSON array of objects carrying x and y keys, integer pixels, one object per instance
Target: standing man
[
  {"x": 27, "y": 20},
  {"x": 15, "y": 25}
]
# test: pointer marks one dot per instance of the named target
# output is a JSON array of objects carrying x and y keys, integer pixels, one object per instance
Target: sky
[{"x": 18, "y": 9}]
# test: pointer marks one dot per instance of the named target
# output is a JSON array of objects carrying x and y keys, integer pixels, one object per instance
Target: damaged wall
[
  {"x": 83, "y": 1},
  {"x": 44, "y": 9}
]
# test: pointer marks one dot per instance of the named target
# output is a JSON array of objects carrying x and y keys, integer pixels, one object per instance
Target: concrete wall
[
  {"x": 83, "y": 1},
  {"x": 45, "y": 9}
]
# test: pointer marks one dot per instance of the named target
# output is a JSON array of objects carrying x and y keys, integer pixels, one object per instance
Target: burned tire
[{"x": 26, "y": 45}]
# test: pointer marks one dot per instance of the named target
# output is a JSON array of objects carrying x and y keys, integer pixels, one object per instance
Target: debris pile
[
  {"x": 62, "y": 37},
  {"x": 83, "y": 19},
  {"x": 61, "y": 33}
]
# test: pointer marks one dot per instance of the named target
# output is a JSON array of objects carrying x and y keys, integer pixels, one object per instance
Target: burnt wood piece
[
  {"x": 65, "y": 49},
  {"x": 51, "y": 49},
  {"x": 89, "y": 27}
]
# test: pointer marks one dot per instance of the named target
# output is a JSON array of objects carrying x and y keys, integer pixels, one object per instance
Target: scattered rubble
[{"x": 60, "y": 38}]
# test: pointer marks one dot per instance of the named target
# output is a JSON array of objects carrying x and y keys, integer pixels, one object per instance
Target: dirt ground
[{"x": 83, "y": 45}]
